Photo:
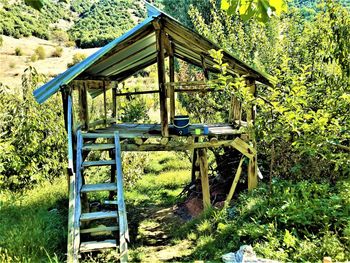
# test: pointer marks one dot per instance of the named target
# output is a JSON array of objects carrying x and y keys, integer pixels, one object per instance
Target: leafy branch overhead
[{"x": 261, "y": 10}]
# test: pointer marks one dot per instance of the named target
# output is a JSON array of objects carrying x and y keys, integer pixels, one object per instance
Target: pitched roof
[{"x": 137, "y": 49}]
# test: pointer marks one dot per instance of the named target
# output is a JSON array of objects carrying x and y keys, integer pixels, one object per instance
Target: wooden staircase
[{"x": 114, "y": 216}]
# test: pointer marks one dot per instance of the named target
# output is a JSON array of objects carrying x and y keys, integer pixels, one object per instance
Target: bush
[
  {"x": 60, "y": 36},
  {"x": 302, "y": 221},
  {"x": 40, "y": 51},
  {"x": 57, "y": 52},
  {"x": 76, "y": 59},
  {"x": 1, "y": 41},
  {"x": 34, "y": 57},
  {"x": 18, "y": 51}
]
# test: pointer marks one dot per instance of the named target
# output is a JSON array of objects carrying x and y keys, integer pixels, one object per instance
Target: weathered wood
[
  {"x": 86, "y": 188},
  {"x": 137, "y": 92},
  {"x": 243, "y": 147},
  {"x": 105, "y": 102},
  {"x": 70, "y": 135},
  {"x": 160, "y": 35},
  {"x": 71, "y": 232},
  {"x": 77, "y": 203},
  {"x": 204, "y": 67},
  {"x": 171, "y": 88},
  {"x": 98, "y": 163},
  {"x": 100, "y": 229},
  {"x": 83, "y": 107},
  {"x": 114, "y": 99},
  {"x": 194, "y": 161},
  {"x": 98, "y": 215},
  {"x": 253, "y": 165},
  {"x": 98, "y": 147},
  {"x": 97, "y": 245},
  {"x": 235, "y": 114},
  {"x": 203, "y": 164},
  {"x": 235, "y": 182},
  {"x": 123, "y": 223}
]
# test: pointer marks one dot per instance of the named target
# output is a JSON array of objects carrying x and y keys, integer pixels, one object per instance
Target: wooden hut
[{"x": 159, "y": 36}]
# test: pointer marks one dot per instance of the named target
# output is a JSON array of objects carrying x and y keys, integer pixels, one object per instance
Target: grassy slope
[{"x": 300, "y": 222}]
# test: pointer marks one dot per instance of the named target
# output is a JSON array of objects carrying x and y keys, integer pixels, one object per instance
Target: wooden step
[
  {"x": 98, "y": 215},
  {"x": 98, "y": 135},
  {"x": 97, "y": 245},
  {"x": 98, "y": 163},
  {"x": 98, "y": 187},
  {"x": 99, "y": 229},
  {"x": 110, "y": 202},
  {"x": 98, "y": 147}
]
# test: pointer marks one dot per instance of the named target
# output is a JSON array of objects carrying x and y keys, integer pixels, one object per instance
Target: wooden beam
[
  {"x": 235, "y": 182},
  {"x": 172, "y": 92},
  {"x": 114, "y": 99},
  {"x": 203, "y": 164},
  {"x": 160, "y": 35},
  {"x": 83, "y": 107},
  {"x": 105, "y": 103},
  {"x": 204, "y": 67},
  {"x": 194, "y": 161},
  {"x": 137, "y": 93},
  {"x": 253, "y": 165}
]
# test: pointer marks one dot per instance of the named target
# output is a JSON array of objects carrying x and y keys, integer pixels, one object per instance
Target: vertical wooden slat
[
  {"x": 253, "y": 165},
  {"x": 114, "y": 95},
  {"x": 194, "y": 162},
  {"x": 71, "y": 206},
  {"x": 123, "y": 224},
  {"x": 204, "y": 66},
  {"x": 70, "y": 134},
  {"x": 171, "y": 87},
  {"x": 235, "y": 182},
  {"x": 105, "y": 103},
  {"x": 77, "y": 201},
  {"x": 160, "y": 34},
  {"x": 203, "y": 164}
]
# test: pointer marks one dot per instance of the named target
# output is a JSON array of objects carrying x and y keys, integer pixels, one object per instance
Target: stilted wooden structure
[{"x": 153, "y": 40}]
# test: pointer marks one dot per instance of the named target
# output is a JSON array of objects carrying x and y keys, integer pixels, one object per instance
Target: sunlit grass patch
[{"x": 33, "y": 223}]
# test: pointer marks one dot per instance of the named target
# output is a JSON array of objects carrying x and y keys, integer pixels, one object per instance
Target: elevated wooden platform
[{"x": 134, "y": 130}]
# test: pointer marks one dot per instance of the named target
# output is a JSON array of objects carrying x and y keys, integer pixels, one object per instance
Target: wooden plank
[
  {"x": 235, "y": 182},
  {"x": 70, "y": 135},
  {"x": 98, "y": 163},
  {"x": 71, "y": 208},
  {"x": 98, "y": 215},
  {"x": 98, "y": 147},
  {"x": 138, "y": 92},
  {"x": 100, "y": 229},
  {"x": 114, "y": 99},
  {"x": 160, "y": 35},
  {"x": 105, "y": 102},
  {"x": 203, "y": 164},
  {"x": 77, "y": 203},
  {"x": 243, "y": 147},
  {"x": 171, "y": 88},
  {"x": 97, "y": 245},
  {"x": 98, "y": 187},
  {"x": 194, "y": 161},
  {"x": 252, "y": 173},
  {"x": 123, "y": 223}
]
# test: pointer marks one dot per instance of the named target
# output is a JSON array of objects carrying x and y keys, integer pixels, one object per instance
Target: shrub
[
  {"x": 76, "y": 59},
  {"x": 60, "y": 36},
  {"x": 34, "y": 57},
  {"x": 70, "y": 44},
  {"x": 57, "y": 52},
  {"x": 18, "y": 51},
  {"x": 40, "y": 51},
  {"x": 1, "y": 41}
]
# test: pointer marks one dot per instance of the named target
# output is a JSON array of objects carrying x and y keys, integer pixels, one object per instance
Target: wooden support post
[
  {"x": 160, "y": 34},
  {"x": 253, "y": 165},
  {"x": 84, "y": 112},
  {"x": 105, "y": 103},
  {"x": 203, "y": 164},
  {"x": 172, "y": 88},
  {"x": 194, "y": 162},
  {"x": 235, "y": 113},
  {"x": 235, "y": 181},
  {"x": 204, "y": 66},
  {"x": 114, "y": 99}
]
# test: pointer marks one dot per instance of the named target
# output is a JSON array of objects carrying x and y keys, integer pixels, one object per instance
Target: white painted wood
[
  {"x": 97, "y": 245},
  {"x": 98, "y": 215},
  {"x": 98, "y": 163},
  {"x": 99, "y": 229},
  {"x": 98, "y": 187}
]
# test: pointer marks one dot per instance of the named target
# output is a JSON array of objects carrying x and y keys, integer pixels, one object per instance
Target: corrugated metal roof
[{"x": 137, "y": 49}]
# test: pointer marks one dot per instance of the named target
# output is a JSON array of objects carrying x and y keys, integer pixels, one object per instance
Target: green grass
[{"x": 33, "y": 223}]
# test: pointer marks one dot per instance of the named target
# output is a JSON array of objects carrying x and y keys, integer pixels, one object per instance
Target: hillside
[{"x": 12, "y": 65}]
